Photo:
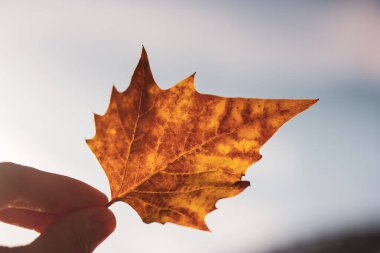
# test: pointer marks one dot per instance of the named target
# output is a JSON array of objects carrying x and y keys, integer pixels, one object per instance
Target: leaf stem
[{"x": 112, "y": 201}]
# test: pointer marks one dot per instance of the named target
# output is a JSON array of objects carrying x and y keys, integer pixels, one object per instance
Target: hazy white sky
[{"x": 59, "y": 59}]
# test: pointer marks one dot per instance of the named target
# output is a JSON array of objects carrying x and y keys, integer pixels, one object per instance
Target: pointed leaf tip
[
  {"x": 143, "y": 52},
  {"x": 114, "y": 89},
  {"x": 314, "y": 101}
]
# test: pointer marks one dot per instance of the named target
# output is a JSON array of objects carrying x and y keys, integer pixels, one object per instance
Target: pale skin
[{"x": 70, "y": 215}]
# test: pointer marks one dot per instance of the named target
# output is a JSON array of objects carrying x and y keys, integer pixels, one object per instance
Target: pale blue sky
[{"x": 320, "y": 172}]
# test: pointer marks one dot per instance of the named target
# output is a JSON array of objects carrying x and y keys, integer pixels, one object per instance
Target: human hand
[{"x": 70, "y": 215}]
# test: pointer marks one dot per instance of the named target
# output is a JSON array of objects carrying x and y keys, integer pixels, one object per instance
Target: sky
[{"x": 319, "y": 172}]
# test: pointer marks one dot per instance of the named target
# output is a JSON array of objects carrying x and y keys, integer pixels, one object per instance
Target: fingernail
[{"x": 103, "y": 222}]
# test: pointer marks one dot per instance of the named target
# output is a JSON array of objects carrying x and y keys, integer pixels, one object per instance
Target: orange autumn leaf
[{"x": 172, "y": 154}]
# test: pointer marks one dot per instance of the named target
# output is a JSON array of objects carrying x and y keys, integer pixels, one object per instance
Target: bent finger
[
  {"x": 28, "y": 188},
  {"x": 27, "y": 218},
  {"x": 80, "y": 231}
]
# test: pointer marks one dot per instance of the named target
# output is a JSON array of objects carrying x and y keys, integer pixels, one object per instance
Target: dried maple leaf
[{"x": 171, "y": 154}]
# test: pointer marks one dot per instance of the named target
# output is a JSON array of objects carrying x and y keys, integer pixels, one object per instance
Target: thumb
[{"x": 80, "y": 232}]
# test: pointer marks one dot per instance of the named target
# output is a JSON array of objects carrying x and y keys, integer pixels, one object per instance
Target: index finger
[{"x": 32, "y": 189}]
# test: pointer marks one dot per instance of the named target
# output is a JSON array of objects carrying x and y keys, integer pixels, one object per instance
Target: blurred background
[{"x": 319, "y": 174}]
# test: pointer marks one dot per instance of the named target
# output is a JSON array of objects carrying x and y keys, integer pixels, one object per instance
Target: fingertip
[
  {"x": 102, "y": 199},
  {"x": 105, "y": 222},
  {"x": 75, "y": 194}
]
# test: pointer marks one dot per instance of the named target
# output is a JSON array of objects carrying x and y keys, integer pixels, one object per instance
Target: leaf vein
[
  {"x": 184, "y": 192},
  {"x": 158, "y": 207}
]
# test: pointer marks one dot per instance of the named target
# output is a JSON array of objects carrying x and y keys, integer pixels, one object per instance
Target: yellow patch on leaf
[{"x": 172, "y": 154}]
